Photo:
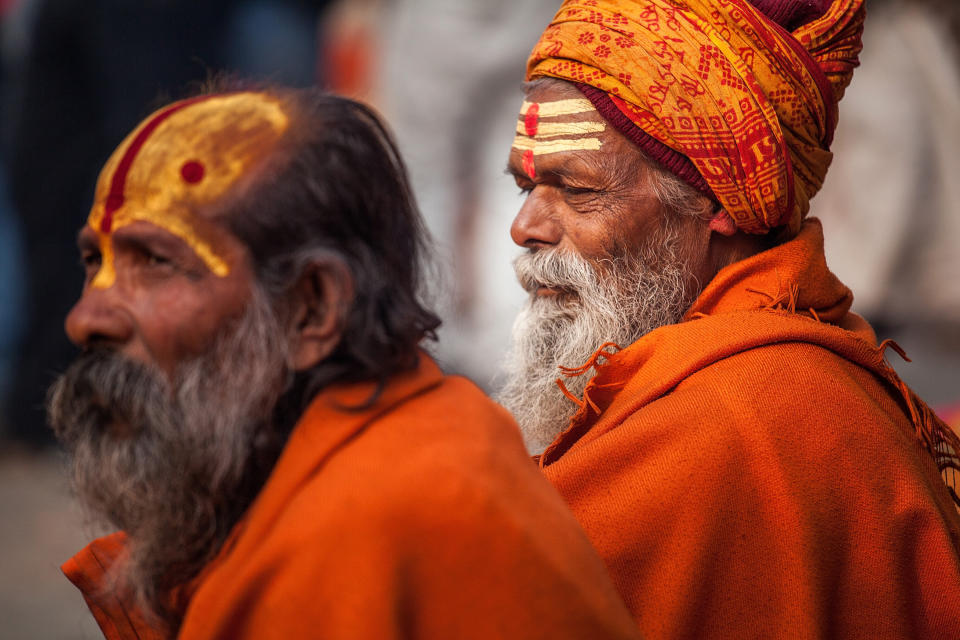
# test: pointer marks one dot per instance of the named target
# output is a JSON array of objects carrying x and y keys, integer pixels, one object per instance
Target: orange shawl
[
  {"x": 726, "y": 95},
  {"x": 756, "y": 471},
  {"x": 419, "y": 517}
]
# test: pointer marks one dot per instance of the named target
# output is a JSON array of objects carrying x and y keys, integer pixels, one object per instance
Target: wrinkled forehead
[{"x": 185, "y": 157}]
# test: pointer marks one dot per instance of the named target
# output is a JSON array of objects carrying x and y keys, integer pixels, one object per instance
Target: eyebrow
[
  {"x": 560, "y": 172},
  {"x": 157, "y": 241},
  {"x": 86, "y": 240},
  {"x": 145, "y": 237}
]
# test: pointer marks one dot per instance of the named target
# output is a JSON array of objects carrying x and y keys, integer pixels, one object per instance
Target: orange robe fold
[
  {"x": 420, "y": 517},
  {"x": 754, "y": 471}
]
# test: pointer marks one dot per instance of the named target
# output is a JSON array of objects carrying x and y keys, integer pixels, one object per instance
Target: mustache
[
  {"x": 554, "y": 269},
  {"x": 103, "y": 388}
]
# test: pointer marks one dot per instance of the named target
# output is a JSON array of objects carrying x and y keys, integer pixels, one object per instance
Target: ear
[
  {"x": 722, "y": 223},
  {"x": 320, "y": 301}
]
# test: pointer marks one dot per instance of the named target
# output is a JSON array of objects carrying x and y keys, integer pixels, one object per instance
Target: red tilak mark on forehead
[
  {"x": 531, "y": 119},
  {"x": 115, "y": 197},
  {"x": 528, "y": 165},
  {"x": 192, "y": 171}
]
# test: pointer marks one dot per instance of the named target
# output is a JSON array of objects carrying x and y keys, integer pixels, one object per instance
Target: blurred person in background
[
  {"x": 891, "y": 206},
  {"x": 728, "y": 433},
  {"x": 253, "y": 411},
  {"x": 11, "y": 287},
  {"x": 11, "y": 237}
]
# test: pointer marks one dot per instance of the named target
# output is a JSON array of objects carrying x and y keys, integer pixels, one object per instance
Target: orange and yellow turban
[{"x": 717, "y": 91}]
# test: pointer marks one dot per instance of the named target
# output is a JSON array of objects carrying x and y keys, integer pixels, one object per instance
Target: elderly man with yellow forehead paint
[
  {"x": 253, "y": 411},
  {"x": 730, "y": 436}
]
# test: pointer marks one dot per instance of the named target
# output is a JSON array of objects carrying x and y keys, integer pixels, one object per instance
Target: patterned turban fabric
[{"x": 737, "y": 99}]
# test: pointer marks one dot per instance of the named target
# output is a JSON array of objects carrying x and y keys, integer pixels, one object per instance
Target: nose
[
  {"x": 534, "y": 227},
  {"x": 97, "y": 319}
]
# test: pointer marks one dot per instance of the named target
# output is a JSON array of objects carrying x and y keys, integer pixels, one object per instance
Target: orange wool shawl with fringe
[
  {"x": 752, "y": 106},
  {"x": 758, "y": 470}
]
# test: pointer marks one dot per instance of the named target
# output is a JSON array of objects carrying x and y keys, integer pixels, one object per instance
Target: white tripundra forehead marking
[
  {"x": 532, "y": 132},
  {"x": 555, "y": 129},
  {"x": 540, "y": 147},
  {"x": 536, "y": 137},
  {"x": 560, "y": 107}
]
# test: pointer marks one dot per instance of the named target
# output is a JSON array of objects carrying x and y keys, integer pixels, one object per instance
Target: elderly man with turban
[{"x": 729, "y": 434}]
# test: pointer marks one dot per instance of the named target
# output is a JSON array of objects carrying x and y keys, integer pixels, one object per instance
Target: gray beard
[
  {"x": 620, "y": 300},
  {"x": 174, "y": 466}
]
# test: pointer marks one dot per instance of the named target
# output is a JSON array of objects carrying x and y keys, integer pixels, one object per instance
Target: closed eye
[
  {"x": 578, "y": 191},
  {"x": 523, "y": 182},
  {"x": 146, "y": 252},
  {"x": 90, "y": 258},
  {"x": 156, "y": 260}
]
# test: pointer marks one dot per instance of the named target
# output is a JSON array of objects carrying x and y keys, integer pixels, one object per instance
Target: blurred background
[{"x": 77, "y": 75}]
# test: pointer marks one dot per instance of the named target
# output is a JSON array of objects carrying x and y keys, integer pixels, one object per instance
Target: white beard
[{"x": 618, "y": 300}]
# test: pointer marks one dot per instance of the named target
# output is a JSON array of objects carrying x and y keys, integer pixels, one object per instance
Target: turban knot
[{"x": 738, "y": 99}]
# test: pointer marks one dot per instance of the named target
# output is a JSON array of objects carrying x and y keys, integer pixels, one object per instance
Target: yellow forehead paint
[
  {"x": 180, "y": 159},
  {"x": 559, "y": 107},
  {"x": 557, "y": 129},
  {"x": 532, "y": 134},
  {"x": 541, "y": 147}
]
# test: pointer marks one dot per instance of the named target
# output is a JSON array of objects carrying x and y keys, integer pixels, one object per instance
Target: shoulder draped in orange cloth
[
  {"x": 755, "y": 471},
  {"x": 419, "y": 517}
]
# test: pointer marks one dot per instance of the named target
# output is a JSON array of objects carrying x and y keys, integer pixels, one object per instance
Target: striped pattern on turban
[{"x": 716, "y": 91}]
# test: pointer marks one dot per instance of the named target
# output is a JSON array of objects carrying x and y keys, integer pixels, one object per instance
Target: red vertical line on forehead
[
  {"x": 528, "y": 165},
  {"x": 531, "y": 119},
  {"x": 115, "y": 196}
]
